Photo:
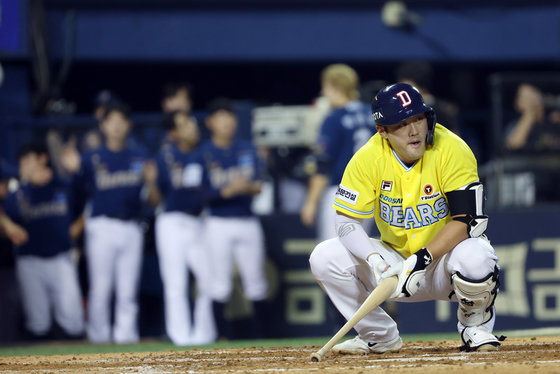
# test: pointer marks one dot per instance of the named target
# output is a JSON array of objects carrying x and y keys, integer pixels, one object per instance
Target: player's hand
[
  {"x": 381, "y": 269},
  {"x": 150, "y": 173},
  {"x": 412, "y": 273},
  {"x": 529, "y": 98},
  {"x": 17, "y": 234},
  {"x": 70, "y": 158},
  {"x": 238, "y": 186},
  {"x": 76, "y": 228}
]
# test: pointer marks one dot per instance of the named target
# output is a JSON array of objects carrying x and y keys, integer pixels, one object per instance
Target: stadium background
[{"x": 262, "y": 52}]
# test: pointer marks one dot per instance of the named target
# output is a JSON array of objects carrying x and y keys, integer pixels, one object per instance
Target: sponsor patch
[
  {"x": 386, "y": 185},
  {"x": 428, "y": 189},
  {"x": 347, "y": 195},
  {"x": 430, "y": 197}
]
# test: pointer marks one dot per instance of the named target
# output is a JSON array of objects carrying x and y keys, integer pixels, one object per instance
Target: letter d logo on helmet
[{"x": 398, "y": 102}]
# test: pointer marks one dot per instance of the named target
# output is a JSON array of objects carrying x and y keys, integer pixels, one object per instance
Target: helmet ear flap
[{"x": 431, "y": 117}]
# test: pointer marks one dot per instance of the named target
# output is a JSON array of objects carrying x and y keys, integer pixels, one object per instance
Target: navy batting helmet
[{"x": 398, "y": 102}]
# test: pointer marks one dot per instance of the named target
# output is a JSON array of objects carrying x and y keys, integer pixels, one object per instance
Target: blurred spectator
[
  {"x": 39, "y": 225},
  {"x": 348, "y": 127},
  {"x": 420, "y": 75},
  {"x": 176, "y": 97},
  {"x": 93, "y": 139},
  {"x": 177, "y": 184},
  {"x": 233, "y": 235},
  {"x": 103, "y": 99},
  {"x": 111, "y": 178},
  {"x": 538, "y": 128}
]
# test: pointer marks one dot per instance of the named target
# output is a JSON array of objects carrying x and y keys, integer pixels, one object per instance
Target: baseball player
[
  {"x": 420, "y": 182},
  {"x": 342, "y": 133},
  {"x": 111, "y": 178},
  {"x": 40, "y": 216},
  {"x": 232, "y": 176},
  {"x": 178, "y": 182}
]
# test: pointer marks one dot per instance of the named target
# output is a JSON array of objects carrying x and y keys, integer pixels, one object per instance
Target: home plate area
[{"x": 516, "y": 355}]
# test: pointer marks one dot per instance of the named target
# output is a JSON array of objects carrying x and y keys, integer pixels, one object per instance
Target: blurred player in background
[
  {"x": 420, "y": 181},
  {"x": 176, "y": 97},
  {"x": 343, "y": 132},
  {"x": 420, "y": 75},
  {"x": 233, "y": 235},
  {"x": 177, "y": 182},
  {"x": 538, "y": 128},
  {"x": 39, "y": 225},
  {"x": 111, "y": 178}
]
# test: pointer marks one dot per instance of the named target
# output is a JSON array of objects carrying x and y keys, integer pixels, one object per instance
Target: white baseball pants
[
  {"x": 236, "y": 241},
  {"x": 50, "y": 284},
  {"x": 348, "y": 280},
  {"x": 180, "y": 248},
  {"x": 114, "y": 257}
]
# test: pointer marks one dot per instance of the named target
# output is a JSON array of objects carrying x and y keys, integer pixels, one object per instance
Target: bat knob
[{"x": 316, "y": 357}]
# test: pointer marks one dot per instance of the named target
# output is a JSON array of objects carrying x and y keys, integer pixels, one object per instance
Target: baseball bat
[{"x": 378, "y": 296}]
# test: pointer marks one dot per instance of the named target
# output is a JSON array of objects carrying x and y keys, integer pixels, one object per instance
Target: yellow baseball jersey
[{"x": 409, "y": 203}]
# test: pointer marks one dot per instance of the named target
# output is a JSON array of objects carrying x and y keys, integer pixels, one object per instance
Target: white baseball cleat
[
  {"x": 478, "y": 338},
  {"x": 359, "y": 346}
]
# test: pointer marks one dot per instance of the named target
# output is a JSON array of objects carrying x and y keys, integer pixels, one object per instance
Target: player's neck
[
  {"x": 221, "y": 142},
  {"x": 340, "y": 101},
  {"x": 115, "y": 145},
  {"x": 184, "y": 146}
]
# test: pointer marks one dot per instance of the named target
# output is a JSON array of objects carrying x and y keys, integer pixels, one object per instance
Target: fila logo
[
  {"x": 386, "y": 185},
  {"x": 405, "y": 99}
]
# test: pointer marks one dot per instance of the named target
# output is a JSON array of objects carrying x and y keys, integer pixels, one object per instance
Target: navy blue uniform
[
  {"x": 113, "y": 182},
  {"x": 180, "y": 247},
  {"x": 179, "y": 180},
  {"x": 343, "y": 132},
  {"x": 45, "y": 269},
  {"x": 45, "y": 212},
  {"x": 232, "y": 234},
  {"x": 221, "y": 166}
]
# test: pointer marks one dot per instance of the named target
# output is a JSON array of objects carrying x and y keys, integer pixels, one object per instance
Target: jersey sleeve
[
  {"x": 328, "y": 145},
  {"x": 459, "y": 167},
  {"x": 355, "y": 195}
]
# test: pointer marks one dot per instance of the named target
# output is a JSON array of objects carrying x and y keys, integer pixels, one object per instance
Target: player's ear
[{"x": 382, "y": 131}]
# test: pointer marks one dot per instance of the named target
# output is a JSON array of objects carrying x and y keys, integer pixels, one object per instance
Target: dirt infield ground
[{"x": 516, "y": 355}]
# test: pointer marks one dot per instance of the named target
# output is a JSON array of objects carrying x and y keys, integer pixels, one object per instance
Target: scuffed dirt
[{"x": 516, "y": 356}]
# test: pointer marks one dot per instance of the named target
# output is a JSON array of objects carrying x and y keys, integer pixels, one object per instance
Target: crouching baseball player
[{"x": 420, "y": 182}]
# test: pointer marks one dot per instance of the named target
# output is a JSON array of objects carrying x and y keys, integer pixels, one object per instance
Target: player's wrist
[{"x": 424, "y": 258}]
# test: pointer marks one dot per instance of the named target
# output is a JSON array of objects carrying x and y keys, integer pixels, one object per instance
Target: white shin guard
[
  {"x": 475, "y": 297},
  {"x": 476, "y": 307}
]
